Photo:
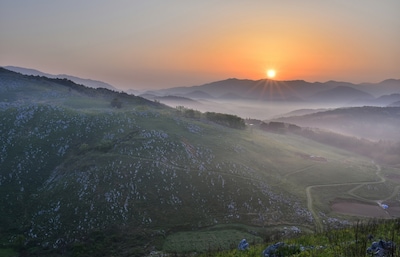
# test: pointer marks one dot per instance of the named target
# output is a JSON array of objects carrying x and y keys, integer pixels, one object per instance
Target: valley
[{"x": 80, "y": 165}]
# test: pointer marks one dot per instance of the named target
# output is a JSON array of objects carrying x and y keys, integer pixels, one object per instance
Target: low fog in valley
[
  {"x": 260, "y": 154},
  {"x": 254, "y": 109},
  {"x": 352, "y": 110},
  {"x": 199, "y": 128}
]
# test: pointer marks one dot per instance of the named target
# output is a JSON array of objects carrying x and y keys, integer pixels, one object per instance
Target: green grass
[
  {"x": 188, "y": 172},
  {"x": 202, "y": 241},
  {"x": 8, "y": 252},
  {"x": 86, "y": 103},
  {"x": 73, "y": 165},
  {"x": 333, "y": 172},
  {"x": 349, "y": 242}
]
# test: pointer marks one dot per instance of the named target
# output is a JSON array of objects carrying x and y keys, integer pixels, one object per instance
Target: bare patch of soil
[
  {"x": 355, "y": 208},
  {"x": 395, "y": 177}
]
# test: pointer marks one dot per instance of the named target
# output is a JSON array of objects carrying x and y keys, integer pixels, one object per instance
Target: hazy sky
[{"x": 158, "y": 43}]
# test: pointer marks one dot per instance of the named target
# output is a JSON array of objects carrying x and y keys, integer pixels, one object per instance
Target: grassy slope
[
  {"x": 71, "y": 165},
  {"x": 352, "y": 241}
]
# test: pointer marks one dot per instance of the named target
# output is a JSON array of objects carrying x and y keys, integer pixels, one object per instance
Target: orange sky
[{"x": 155, "y": 44}]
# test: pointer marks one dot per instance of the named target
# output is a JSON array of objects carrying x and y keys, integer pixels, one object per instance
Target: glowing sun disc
[{"x": 271, "y": 73}]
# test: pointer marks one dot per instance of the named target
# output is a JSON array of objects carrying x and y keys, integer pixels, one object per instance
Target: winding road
[{"x": 317, "y": 219}]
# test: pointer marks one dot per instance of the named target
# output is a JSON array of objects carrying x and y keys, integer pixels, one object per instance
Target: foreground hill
[
  {"x": 88, "y": 171},
  {"x": 373, "y": 238}
]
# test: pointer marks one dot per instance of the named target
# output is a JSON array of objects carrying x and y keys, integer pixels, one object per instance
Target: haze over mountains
[
  {"x": 86, "y": 82},
  {"x": 374, "y": 123},
  {"x": 268, "y": 99},
  {"x": 79, "y": 162},
  {"x": 264, "y": 99},
  {"x": 266, "y": 89},
  {"x": 261, "y": 99},
  {"x": 73, "y": 163}
]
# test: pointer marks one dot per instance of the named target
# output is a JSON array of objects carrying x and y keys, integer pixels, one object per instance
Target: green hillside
[
  {"x": 86, "y": 172},
  {"x": 372, "y": 238}
]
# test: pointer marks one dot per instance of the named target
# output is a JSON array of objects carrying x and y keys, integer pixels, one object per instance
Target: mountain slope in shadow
[{"x": 86, "y": 82}]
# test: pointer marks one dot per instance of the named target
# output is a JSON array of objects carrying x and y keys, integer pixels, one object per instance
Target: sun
[{"x": 271, "y": 73}]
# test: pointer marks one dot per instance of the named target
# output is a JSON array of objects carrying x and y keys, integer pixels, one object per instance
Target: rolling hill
[
  {"x": 342, "y": 94},
  {"x": 300, "y": 112},
  {"x": 295, "y": 90},
  {"x": 375, "y": 123},
  {"x": 388, "y": 99},
  {"x": 87, "y": 82},
  {"x": 386, "y": 87},
  {"x": 251, "y": 89},
  {"x": 395, "y": 104},
  {"x": 88, "y": 171}
]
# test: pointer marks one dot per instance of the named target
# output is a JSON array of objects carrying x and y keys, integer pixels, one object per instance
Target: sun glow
[{"x": 271, "y": 73}]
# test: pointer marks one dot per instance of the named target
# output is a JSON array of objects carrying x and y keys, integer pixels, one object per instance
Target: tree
[
  {"x": 228, "y": 120},
  {"x": 116, "y": 103}
]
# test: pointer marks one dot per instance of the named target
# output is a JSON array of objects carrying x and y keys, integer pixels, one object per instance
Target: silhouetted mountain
[
  {"x": 385, "y": 87},
  {"x": 341, "y": 94},
  {"x": 215, "y": 89},
  {"x": 250, "y": 89},
  {"x": 369, "y": 122},
  {"x": 395, "y": 104},
  {"x": 28, "y": 89},
  {"x": 292, "y": 91},
  {"x": 299, "y": 112},
  {"x": 230, "y": 96},
  {"x": 175, "y": 99},
  {"x": 171, "y": 100},
  {"x": 198, "y": 95},
  {"x": 86, "y": 82},
  {"x": 133, "y": 92},
  {"x": 149, "y": 96},
  {"x": 387, "y": 99}
]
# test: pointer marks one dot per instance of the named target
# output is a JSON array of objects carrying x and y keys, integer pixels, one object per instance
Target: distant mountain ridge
[
  {"x": 371, "y": 122},
  {"x": 294, "y": 90},
  {"x": 386, "y": 87},
  {"x": 265, "y": 99},
  {"x": 86, "y": 82},
  {"x": 342, "y": 94},
  {"x": 388, "y": 99}
]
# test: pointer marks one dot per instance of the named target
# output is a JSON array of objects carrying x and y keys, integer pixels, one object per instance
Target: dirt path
[
  {"x": 382, "y": 180},
  {"x": 297, "y": 171},
  {"x": 317, "y": 220}
]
